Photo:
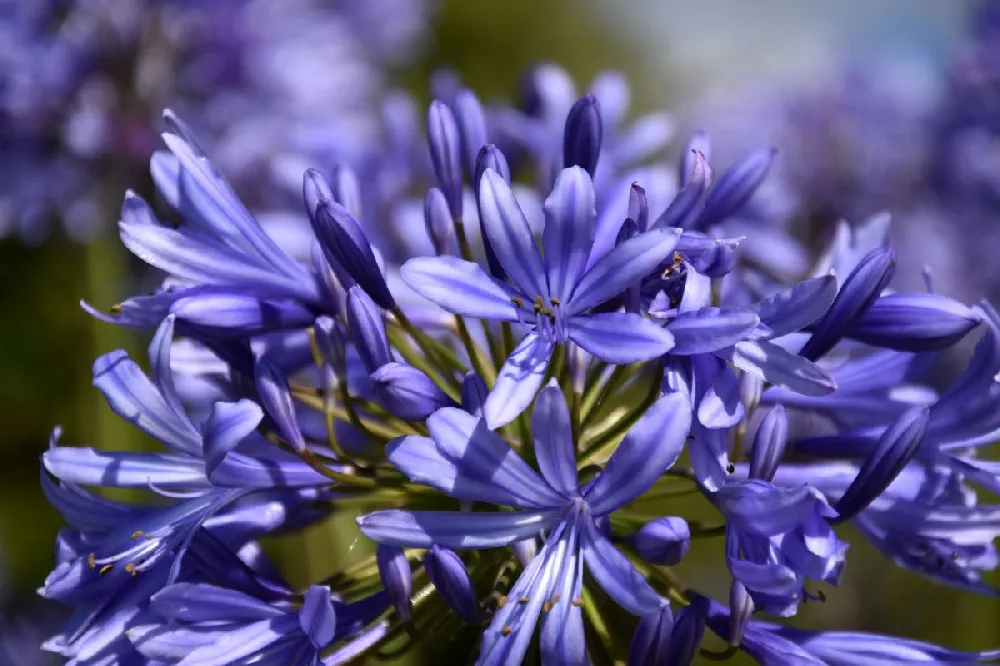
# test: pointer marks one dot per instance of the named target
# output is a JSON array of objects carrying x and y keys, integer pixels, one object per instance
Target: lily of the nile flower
[
  {"x": 193, "y": 624},
  {"x": 465, "y": 460},
  {"x": 776, "y": 539},
  {"x": 928, "y": 520},
  {"x": 773, "y": 645},
  {"x": 223, "y": 451},
  {"x": 549, "y": 294},
  {"x": 963, "y": 418}
]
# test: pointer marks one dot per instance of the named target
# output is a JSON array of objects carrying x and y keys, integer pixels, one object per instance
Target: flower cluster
[
  {"x": 81, "y": 85},
  {"x": 505, "y": 383}
]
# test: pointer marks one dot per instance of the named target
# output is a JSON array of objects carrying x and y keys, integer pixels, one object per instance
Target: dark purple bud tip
[
  {"x": 894, "y": 450},
  {"x": 856, "y": 295},
  {"x": 651, "y": 640},
  {"x": 769, "y": 444},
  {"x": 397, "y": 579},
  {"x": 367, "y": 329},
  {"x": 638, "y": 207},
  {"x": 735, "y": 187},
  {"x": 664, "y": 541},
  {"x": 583, "y": 133},
  {"x": 407, "y": 392},
  {"x": 451, "y": 579},
  {"x": 445, "y": 144},
  {"x": 490, "y": 157},
  {"x": 914, "y": 322},
  {"x": 689, "y": 627},
  {"x": 348, "y": 251},
  {"x": 236, "y": 316}
]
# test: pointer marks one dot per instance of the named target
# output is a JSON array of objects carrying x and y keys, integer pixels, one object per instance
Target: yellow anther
[
  {"x": 524, "y": 600},
  {"x": 555, "y": 301},
  {"x": 502, "y": 602},
  {"x": 91, "y": 560},
  {"x": 577, "y": 602},
  {"x": 105, "y": 569},
  {"x": 506, "y": 630},
  {"x": 137, "y": 534},
  {"x": 130, "y": 567},
  {"x": 519, "y": 302},
  {"x": 116, "y": 309}
]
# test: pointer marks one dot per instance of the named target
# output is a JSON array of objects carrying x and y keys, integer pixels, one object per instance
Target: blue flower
[
  {"x": 465, "y": 460},
  {"x": 550, "y": 294}
]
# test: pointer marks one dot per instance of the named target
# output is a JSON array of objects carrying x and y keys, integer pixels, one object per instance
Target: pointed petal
[
  {"x": 123, "y": 469},
  {"x": 317, "y": 617},
  {"x": 914, "y": 322},
  {"x": 773, "y": 364},
  {"x": 518, "y": 381},
  {"x": 622, "y": 267},
  {"x": 554, "y": 445},
  {"x": 227, "y": 425},
  {"x": 510, "y": 236},
  {"x": 200, "y": 602},
  {"x": 796, "y": 308},
  {"x": 457, "y": 530},
  {"x": 162, "y": 375},
  {"x": 771, "y": 578},
  {"x": 133, "y": 397},
  {"x": 648, "y": 450},
  {"x": 718, "y": 392},
  {"x": 460, "y": 287},
  {"x": 422, "y": 461},
  {"x": 709, "y": 456},
  {"x": 616, "y": 575},
  {"x": 569, "y": 231},
  {"x": 482, "y": 455},
  {"x": 620, "y": 337},
  {"x": 709, "y": 329},
  {"x": 562, "y": 639},
  {"x": 244, "y": 645}
]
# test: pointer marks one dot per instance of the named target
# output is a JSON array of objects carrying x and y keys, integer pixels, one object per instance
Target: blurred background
[{"x": 887, "y": 105}]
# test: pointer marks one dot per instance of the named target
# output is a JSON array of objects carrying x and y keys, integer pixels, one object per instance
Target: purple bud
[
  {"x": 525, "y": 551},
  {"x": 346, "y": 190},
  {"x": 348, "y": 251},
  {"x": 490, "y": 157},
  {"x": 438, "y": 222},
  {"x": 474, "y": 394},
  {"x": 317, "y": 616},
  {"x": 276, "y": 399},
  {"x": 332, "y": 344},
  {"x": 856, "y": 295},
  {"x": 651, "y": 639},
  {"x": 471, "y": 126},
  {"x": 769, "y": 444},
  {"x": 895, "y": 448},
  {"x": 735, "y": 187},
  {"x": 914, "y": 322},
  {"x": 582, "y": 136},
  {"x": 407, "y": 392},
  {"x": 699, "y": 149},
  {"x": 236, "y": 316},
  {"x": 315, "y": 189},
  {"x": 612, "y": 90},
  {"x": 397, "y": 579},
  {"x": 741, "y": 608},
  {"x": 367, "y": 329},
  {"x": 631, "y": 296},
  {"x": 664, "y": 541},
  {"x": 449, "y": 575},
  {"x": 689, "y": 627},
  {"x": 689, "y": 202},
  {"x": 638, "y": 207},
  {"x": 329, "y": 284},
  {"x": 445, "y": 147},
  {"x": 546, "y": 90}
]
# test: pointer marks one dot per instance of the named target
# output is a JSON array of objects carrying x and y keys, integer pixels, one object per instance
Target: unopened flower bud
[
  {"x": 397, "y": 578},
  {"x": 367, "y": 329},
  {"x": 769, "y": 444},
  {"x": 583, "y": 133},
  {"x": 741, "y": 608},
  {"x": 664, "y": 541},
  {"x": 445, "y": 145},
  {"x": 451, "y": 579},
  {"x": 651, "y": 639},
  {"x": 407, "y": 392}
]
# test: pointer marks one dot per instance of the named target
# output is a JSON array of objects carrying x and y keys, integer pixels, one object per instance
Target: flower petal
[
  {"x": 648, "y": 450},
  {"x": 518, "y": 381},
  {"x": 620, "y": 337},
  {"x": 794, "y": 309},
  {"x": 460, "y": 287},
  {"x": 622, "y": 267},
  {"x": 482, "y": 455},
  {"x": 510, "y": 236},
  {"x": 123, "y": 469},
  {"x": 554, "y": 447},
  {"x": 227, "y": 425},
  {"x": 200, "y": 602},
  {"x": 244, "y": 645},
  {"x": 709, "y": 329},
  {"x": 457, "y": 530},
  {"x": 763, "y": 508},
  {"x": 569, "y": 231},
  {"x": 616, "y": 575},
  {"x": 772, "y": 363}
]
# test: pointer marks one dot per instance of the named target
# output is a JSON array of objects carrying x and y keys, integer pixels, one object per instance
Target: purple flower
[
  {"x": 549, "y": 294},
  {"x": 465, "y": 460}
]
